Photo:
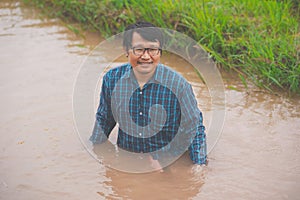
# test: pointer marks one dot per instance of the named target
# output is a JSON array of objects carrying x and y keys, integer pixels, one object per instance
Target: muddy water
[{"x": 41, "y": 157}]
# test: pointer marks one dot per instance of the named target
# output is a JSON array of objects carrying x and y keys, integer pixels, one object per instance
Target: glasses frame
[{"x": 146, "y": 49}]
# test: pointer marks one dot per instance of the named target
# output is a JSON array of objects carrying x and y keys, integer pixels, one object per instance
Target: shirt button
[
  {"x": 141, "y": 113},
  {"x": 140, "y": 134}
]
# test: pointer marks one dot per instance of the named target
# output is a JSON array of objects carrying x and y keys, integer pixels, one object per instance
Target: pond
[{"x": 256, "y": 157}]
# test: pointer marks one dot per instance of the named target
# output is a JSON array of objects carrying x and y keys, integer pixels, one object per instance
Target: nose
[{"x": 146, "y": 55}]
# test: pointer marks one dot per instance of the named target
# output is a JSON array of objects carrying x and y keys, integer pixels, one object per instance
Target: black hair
[{"x": 146, "y": 30}]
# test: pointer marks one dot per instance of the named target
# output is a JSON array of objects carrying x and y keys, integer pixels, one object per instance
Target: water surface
[{"x": 41, "y": 157}]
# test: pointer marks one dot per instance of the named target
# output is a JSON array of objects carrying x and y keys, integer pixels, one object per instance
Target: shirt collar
[
  {"x": 158, "y": 74},
  {"x": 128, "y": 71}
]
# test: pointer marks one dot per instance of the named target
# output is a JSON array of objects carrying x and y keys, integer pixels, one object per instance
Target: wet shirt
[{"x": 162, "y": 116}]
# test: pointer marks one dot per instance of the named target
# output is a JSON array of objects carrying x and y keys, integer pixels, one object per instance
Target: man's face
[{"x": 144, "y": 63}]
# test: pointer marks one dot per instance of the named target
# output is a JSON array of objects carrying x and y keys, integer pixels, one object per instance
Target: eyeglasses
[{"x": 153, "y": 51}]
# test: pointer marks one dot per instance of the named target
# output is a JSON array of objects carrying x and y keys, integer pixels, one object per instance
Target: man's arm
[
  {"x": 197, "y": 150},
  {"x": 104, "y": 118},
  {"x": 192, "y": 122}
]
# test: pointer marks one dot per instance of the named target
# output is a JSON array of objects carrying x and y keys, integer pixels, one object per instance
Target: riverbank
[{"x": 260, "y": 40}]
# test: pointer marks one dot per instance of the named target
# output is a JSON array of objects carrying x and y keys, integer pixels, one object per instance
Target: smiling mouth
[{"x": 144, "y": 63}]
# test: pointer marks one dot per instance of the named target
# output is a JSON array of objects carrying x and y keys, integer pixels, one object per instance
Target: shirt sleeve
[
  {"x": 104, "y": 122},
  {"x": 192, "y": 123}
]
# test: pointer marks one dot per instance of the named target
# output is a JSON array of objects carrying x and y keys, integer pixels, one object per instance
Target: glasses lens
[
  {"x": 153, "y": 51},
  {"x": 138, "y": 51}
]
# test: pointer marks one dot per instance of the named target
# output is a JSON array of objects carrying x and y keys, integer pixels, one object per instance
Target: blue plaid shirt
[{"x": 161, "y": 114}]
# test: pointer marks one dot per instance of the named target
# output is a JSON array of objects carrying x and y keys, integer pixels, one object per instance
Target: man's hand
[
  {"x": 155, "y": 164},
  {"x": 198, "y": 169}
]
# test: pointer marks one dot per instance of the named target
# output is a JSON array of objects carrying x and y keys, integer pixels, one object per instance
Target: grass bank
[{"x": 258, "y": 39}]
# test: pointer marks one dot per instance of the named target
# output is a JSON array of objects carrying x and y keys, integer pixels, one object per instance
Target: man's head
[
  {"x": 146, "y": 30},
  {"x": 143, "y": 43}
]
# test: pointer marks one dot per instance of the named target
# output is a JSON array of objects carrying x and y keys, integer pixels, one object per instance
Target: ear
[{"x": 126, "y": 51}]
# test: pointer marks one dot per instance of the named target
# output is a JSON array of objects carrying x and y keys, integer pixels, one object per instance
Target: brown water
[{"x": 41, "y": 157}]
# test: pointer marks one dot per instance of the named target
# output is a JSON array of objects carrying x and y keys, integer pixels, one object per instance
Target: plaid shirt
[{"x": 161, "y": 115}]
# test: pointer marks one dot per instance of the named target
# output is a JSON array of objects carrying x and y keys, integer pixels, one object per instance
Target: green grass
[{"x": 259, "y": 39}]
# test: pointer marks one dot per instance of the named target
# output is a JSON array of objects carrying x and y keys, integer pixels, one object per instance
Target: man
[{"x": 154, "y": 106}]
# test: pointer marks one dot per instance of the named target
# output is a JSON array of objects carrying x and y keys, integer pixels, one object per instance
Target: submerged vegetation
[{"x": 260, "y": 40}]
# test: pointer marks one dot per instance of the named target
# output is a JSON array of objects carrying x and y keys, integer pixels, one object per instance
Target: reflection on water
[{"x": 41, "y": 157}]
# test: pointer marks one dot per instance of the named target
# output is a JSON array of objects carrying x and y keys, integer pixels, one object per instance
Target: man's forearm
[
  {"x": 98, "y": 136},
  {"x": 198, "y": 149}
]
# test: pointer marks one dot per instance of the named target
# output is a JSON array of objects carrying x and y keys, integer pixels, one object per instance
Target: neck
[{"x": 142, "y": 79}]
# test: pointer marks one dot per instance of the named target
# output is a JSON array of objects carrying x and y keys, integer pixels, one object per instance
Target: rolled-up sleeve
[
  {"x": 104, "y": 122},
  {"x": 192, "y": 122}
]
